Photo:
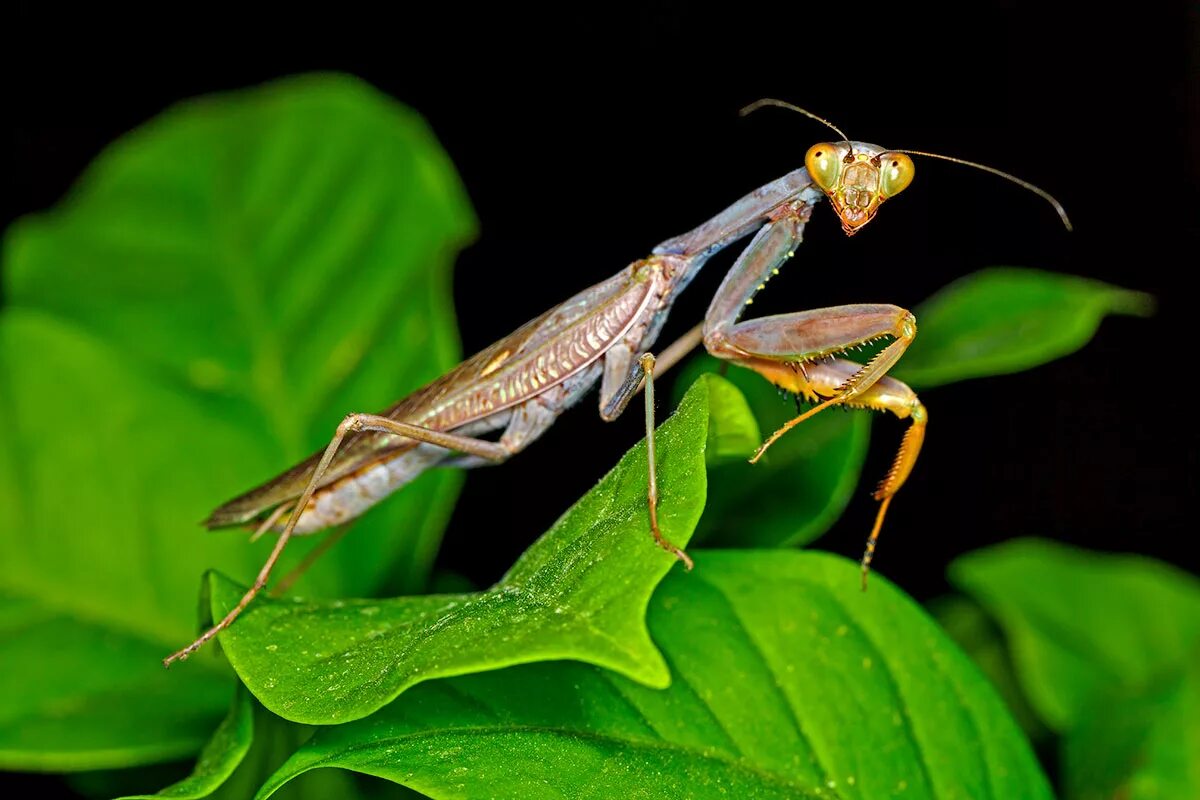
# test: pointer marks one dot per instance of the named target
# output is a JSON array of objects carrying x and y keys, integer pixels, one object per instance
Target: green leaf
[
  {"x": 579, "y": 592},
  {"x": 246, "y": 749},
  {"x": 219, "y": 289},
  {"x": 1140, "y": 747},
  {"x": 788, "y": 682},
  {"x": 981, "y": 639},
  {"x": 1107, "y": 649},
  {"x": 799, "y": 489},
  {"x": 1007, "y": 319},
  {"x": 1084, "y": 625},
  {"x": 275, "y": 740},
  {"x": 80, "y": 694},
  {"x": 220, "y": 757},
  {"x": 732, "y": 432}
]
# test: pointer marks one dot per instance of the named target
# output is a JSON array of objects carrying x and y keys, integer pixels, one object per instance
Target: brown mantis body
[{"x": 519, "y": 385}]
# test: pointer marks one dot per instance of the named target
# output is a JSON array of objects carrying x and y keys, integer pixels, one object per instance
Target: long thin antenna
[
  {"x": 770, "y": 101},
  {"x": 1062, "y": 213}
]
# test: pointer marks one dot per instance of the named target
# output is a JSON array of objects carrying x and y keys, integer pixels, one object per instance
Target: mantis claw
[{"x": 675, "y": 551}]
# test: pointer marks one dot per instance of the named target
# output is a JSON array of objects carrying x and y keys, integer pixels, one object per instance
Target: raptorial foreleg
[
  {"x": 805, "y": 337},
  {"x": 818, "y": 383}
]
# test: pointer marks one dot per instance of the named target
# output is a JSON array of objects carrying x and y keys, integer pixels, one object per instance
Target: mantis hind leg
[{"x": 353, "y": 423}]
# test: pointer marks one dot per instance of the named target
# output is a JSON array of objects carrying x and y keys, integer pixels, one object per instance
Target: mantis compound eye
[
  {"x": 895, "y": 173},
  {"x": 824, "y": 162}
]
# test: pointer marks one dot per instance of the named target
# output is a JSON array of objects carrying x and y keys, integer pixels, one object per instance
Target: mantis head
[{"x": 857, "y": 178}]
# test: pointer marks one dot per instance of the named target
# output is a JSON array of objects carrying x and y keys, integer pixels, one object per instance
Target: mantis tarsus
[{"x": 519, "y": 385}]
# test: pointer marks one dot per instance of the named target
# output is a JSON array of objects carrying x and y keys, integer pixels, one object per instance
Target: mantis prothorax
[{"x": 519, "y": 385}]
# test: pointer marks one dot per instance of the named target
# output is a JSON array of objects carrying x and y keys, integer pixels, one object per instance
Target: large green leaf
[
  {"x": 579, "y": 592},
  {"x": 221, "y": 286},
  {"x": 1107, "y": 649},
  {"x": 1008, "y": 319},
  {"x": 799, "y": 489},
  {"x": 788, "y": 681}
]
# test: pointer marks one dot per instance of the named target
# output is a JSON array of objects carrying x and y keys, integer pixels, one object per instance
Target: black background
[{"x": 584, "y": 140}]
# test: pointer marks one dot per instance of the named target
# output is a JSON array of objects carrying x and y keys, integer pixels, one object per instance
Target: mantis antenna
[
  {"x": 770, "y": 101},
  {"x": 1062, "y": 213}
]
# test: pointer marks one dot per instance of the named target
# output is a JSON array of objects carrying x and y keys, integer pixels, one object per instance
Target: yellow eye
[
  {"x": 896, "y": 173},
  {"x": 824, "y": 164}
]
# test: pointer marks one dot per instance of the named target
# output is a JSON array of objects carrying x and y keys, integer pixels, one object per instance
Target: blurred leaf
[
  {"x": 232, "y": 768},
  {"x": 1141, "y": 747},
  {"x": 220, "y": 288},
  {"x": 732, "y": 431},
  {"x": 1084, "y": 625},
  {"x": 579, "y": 592},
  {"x": 979, "y": 637},
  {"x": 799, "y": 490},
  {"x": 788, "y": 682},
  {"x": 221, "y": 756},
  {"x": 1107, "y": 650},
  {"x": 275, "y": 740},
  {"x": 1007, "y": 319}
]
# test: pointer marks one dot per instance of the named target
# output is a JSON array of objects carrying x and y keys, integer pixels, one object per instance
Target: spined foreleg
[{"x": 820, "y": 382}]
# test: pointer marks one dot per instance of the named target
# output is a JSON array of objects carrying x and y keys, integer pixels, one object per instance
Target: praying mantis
[{"x": 518, "y": 386}]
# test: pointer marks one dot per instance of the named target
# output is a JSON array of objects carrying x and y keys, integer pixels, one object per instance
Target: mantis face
[{"x": 857, "y": 177}]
